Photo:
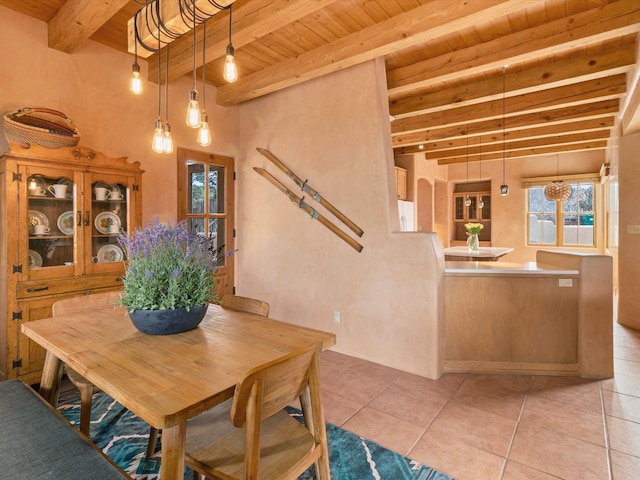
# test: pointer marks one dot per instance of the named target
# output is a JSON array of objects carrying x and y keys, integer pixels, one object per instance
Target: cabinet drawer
[{"x": 41, "y": 288}]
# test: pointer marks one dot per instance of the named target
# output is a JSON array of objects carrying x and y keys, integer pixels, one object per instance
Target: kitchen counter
[
  {"x": 506, "y": 268},
  {"x": 485, "y": 253}
]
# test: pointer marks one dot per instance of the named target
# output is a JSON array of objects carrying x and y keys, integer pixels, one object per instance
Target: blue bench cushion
[{"x": 38, "y": 443}]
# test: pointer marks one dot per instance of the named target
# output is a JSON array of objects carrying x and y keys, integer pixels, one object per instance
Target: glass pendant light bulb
[
  {"x": 158, "y": 138},
  {"x": 168, "y": 140},
  {"x": 230, "y": 70},
  {"x": 467, "y": 201},
  {"x": 136, "y": 81},
  {"x": 193, "y": 110},
  {"x": 204, "y": 135}
]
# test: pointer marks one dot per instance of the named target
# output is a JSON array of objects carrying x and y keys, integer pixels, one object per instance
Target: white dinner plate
[
  {"x": 109, "y": 253},
  {"x": 104, "y": 220},
  {"x": 37, "y": 218},
  {"x": 35, "y": 259},
  {"x": 65, "y": 223}
]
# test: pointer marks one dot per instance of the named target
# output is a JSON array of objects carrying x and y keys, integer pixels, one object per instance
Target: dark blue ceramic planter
[{"x": 167, "y": 322}]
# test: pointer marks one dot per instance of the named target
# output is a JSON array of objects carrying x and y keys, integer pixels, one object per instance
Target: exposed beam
[
  {"x": 554, "y": 73},
  {"x": 603, "y": 109},
  {"x": 489, "y": 138},
  {"x": 172, "y": 21},
  {"x": 423, "y": 23},
  {"x": 585, "y": 92},
  {"x": 596, "y": 25},
  {"x": 252, "y": 20},
  {"x": 77, "y": 20},
  {"x": 532, "y": 152}
]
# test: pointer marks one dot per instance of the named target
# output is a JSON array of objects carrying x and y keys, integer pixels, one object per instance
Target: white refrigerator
[{"x": 407, "y": 212}]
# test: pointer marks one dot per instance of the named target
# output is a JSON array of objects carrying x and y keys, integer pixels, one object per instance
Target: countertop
[
  {"x": 502, "y": 268},
  {"x": 485, "y": 252}
]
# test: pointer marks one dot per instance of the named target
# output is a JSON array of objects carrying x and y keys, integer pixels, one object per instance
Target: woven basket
[{"x": 40, "y": 126}]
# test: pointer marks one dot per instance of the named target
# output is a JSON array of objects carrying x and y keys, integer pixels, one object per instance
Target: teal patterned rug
[{"x": 123, "y": 437}]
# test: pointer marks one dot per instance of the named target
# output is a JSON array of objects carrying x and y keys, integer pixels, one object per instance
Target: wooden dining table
[{"x": 164, "y": 379}]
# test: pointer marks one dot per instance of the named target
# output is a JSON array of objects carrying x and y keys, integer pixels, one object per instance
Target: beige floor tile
[
  {"x": 624, "y": 436},
  {"x": 561, "y": 417},
  {"x": 337, "y": 409},
  {"x": 517, "y": 471},
  {"x": 445, "y": 386},
  {"x": 500, "y": 394},
  {"x": 355, "y": 386},
  {"x": 575, "y": 391},
  {"x": 456, "y": 458},
  {"x": 375, "y": 370},
  {"x": 556, "y": 454},
  {"x": 626, "y": 367},
  {"x": 484, "y": 430},
  {"x": 408, "y": 404},
  {"x": 622, "y": 406},
  {"x": 623, "y": 384},
  {"x": 384, "y": 429},
  {"x": 338, "y": 359},
  {"x": 631, "y": 354},
  {"x": 625, "y": 467}
]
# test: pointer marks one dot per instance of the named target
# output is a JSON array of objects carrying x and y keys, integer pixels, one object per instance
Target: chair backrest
[
  {"x": 269, "y": 388},
  {"x": 245, "y": 304},
  {"x": 85, "y": 302}
]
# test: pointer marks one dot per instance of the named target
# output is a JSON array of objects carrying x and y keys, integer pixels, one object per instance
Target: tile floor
[{"x": 502, "y": 427}]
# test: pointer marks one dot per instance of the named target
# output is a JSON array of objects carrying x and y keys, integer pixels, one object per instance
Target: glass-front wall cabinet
[{"x": 73, "y": 221}]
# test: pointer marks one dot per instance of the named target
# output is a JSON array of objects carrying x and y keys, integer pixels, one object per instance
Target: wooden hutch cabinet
[
  {"x": 467, "y": 209},
  {"x": 61, "y": 211}
]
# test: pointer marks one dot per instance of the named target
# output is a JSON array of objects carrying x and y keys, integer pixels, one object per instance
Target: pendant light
[
  {"x": 230, "y": 71},
  {"x": 158, "y": 137},
  {"x": 467, "y": 199},
  {"x": 168, "y": 140},
  {"x": 204, "y": 135},
  {"x": 558, "y": 190},
  {"x": 136, "y": 82},
  {"x": 193, "y": 109},
  {"x": 504, "y": 188}
]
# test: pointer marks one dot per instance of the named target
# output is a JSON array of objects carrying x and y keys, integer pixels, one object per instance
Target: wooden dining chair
[
  {"x": 251, "y": 436},
  {"x": 72, "y": 305},
  {"x": 245, "y": 304}
]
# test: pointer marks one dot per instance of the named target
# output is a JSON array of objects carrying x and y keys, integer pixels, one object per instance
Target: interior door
[{"x": 206, "y": 202}]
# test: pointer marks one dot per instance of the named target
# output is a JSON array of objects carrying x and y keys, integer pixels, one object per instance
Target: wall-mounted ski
[
  {"x": 307, "y": 208},
  {"x": 310, "y": 191}
]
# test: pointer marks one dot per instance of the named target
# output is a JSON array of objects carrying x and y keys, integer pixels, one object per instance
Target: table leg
[
  {"x": 173, "y": 447},
  {"x": 50, "y": 381}
]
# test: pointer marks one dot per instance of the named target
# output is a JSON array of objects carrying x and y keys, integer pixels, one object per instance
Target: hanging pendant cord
[{"x": 504, "y": 126}]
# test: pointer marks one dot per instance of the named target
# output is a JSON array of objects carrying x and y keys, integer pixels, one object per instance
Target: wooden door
[{"x": 206, "y": 202}]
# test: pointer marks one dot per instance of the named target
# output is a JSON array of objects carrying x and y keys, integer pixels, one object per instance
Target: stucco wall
[
  {"x": 334, "y": 132},
  {"x": 91, "y": 86}
]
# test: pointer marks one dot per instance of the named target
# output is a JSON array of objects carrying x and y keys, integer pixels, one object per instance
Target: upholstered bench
[{"x": 36, "y": 442}]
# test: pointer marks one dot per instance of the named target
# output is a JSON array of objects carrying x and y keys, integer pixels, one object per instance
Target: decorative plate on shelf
[
  {"x": 65, "y": 223},
  {"x": 35, "y": 259},
  {"x": 109, "y": 253},
  {"x": 104, "y": 222},
  {"x": 36, "y": 217}
]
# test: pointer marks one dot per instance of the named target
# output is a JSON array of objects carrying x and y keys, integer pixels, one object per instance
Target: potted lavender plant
[{"x": 169, "y": 280}]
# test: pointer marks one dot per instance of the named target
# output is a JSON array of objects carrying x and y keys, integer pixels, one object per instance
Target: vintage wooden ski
[
  {"x": 311, "y": 191},
  {"x": 307, "y": 208}
]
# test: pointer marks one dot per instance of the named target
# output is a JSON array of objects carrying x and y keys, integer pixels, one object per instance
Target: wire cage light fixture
[{"x": 558, "y": 190}]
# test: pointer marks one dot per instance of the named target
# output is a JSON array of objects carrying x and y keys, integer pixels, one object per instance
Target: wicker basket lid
[{"x": 41, "y": 126}]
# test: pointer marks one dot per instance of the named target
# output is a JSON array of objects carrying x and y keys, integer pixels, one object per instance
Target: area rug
[{"x": 123, "y": 436}]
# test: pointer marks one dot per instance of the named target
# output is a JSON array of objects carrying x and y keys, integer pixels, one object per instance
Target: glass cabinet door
[
  {"x": 50, "y": 221},
  {"x": 106, "y": 217}
]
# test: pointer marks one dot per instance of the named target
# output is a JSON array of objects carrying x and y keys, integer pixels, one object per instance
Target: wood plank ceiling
[{"x": 450, "y": 95}]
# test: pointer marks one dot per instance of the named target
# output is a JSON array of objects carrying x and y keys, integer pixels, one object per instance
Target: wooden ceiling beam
[
  {"x": 252, "y": 20},
  {"x": 77, "y": 20},
  {"x": 532, "y": 152},
  {"x": 436, "y": 19},
  {"x": 595, "y": 25},
  {"x": 552, "y": 74},
  {"x": 489, "y": 138},
  {"x": 586, "y": 92},
  {"x": 512, "y": 145},
  {"x": 602, "y": 109}
]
